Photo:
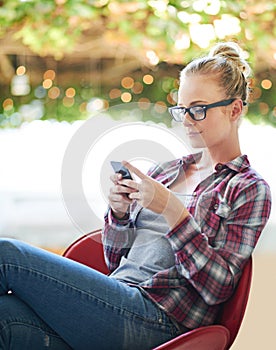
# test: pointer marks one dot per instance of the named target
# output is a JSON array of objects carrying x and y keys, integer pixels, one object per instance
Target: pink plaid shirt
[{"x": 228, "y": 211}]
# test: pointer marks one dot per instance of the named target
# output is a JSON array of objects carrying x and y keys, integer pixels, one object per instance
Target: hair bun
[{"x": 233, "y": 52}]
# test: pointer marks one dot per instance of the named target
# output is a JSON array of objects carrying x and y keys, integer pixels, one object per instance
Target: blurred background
[{"x": 63, "y": 62}]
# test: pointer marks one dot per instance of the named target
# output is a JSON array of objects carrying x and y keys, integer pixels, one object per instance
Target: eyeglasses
[{"x": 196, "y": 112}]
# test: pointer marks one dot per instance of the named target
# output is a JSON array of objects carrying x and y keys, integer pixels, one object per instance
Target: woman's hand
[
  {"x": 151, "y": 194},
  {"x": 119, "y": 200}
]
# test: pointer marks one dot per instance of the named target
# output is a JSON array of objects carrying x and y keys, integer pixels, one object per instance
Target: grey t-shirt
[{"x": 151, "y": 251}]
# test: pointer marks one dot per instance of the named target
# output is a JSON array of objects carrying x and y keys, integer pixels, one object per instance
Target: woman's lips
[{"x": 193, "y": 133}]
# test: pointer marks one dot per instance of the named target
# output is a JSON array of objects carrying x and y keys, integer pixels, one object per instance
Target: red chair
[{"x": 88, "y": 250}]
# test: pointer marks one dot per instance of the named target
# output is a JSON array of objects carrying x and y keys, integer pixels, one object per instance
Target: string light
[
  {"x": 152, "y": 57},
  {"x": 68, "y": 102},
  {"x": 70, "y": 92},
  {"x": 126, "y": 97},
  {"x": 127, "y": 82},
  {"x": 114, "y": 93},
  {"x": 47, "y": 83},
  {"x": 266, "y": 84},
  {"x": 148, "y": 79},
  {"x": 264, "y": 108},
  {"x": 160, "y": 107},
  {"x": 8, "y": 104},
  {"x": 144, "y": 103},
  {"x": 54, "y": 93},
  {"x": 83, "y": 107},
  {"x": 20, "y": 83},
  {"x": 49, "y": 74},
  {"x": 257, "y": 93},
  {"x": 137, "y": 88},
  {"x": 172, "y": 97},
  {"x": 21, "y": 70},
  {"x": 95, "y": 104}
]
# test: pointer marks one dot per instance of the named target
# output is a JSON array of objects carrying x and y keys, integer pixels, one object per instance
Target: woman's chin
[{"x": 196, "y": 142}]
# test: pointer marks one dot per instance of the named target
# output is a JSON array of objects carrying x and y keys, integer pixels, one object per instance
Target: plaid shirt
[{"x": 228, "y": 211}]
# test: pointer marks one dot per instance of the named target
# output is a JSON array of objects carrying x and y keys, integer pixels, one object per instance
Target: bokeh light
[
  {"x": 148, "y": 79},
  {"x": 95, "y": 104},
  {"x": 127, "y": 82},
  {"x": 266, "y": 84},
  {"x": 264, "y": 108},
  {"x": 47, "y": 83},
  {"x": 21, "y": 70},
  {"x": 83, "y": 107},
  {"x": 152, "y": 57},
  {"x": 54, "y": 92},
  {"x": 70, "y": 92},
  {"x": 8, "y": 104},
  {"x": 68, "y": 101},
  {"x": 257, "y": 93},
  {"x": 49, "y": 74},
  {"x": 137, "y": 88},
  {"x": 160, "y": 107},
  {"x": 115, "y": 93},
  {"x": 126, "y": 97}
]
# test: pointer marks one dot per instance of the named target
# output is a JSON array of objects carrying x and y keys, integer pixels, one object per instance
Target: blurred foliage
[{"x": 159, "y": 31}]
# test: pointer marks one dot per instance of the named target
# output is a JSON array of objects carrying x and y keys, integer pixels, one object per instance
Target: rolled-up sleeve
[{"x": 117, "y": 238}]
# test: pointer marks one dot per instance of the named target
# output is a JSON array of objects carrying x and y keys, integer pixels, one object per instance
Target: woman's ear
[{"x": 237, "y": 107}]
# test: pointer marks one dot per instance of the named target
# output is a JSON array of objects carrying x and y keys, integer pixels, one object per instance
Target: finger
[
  {"x": 133, "y": 185},
  {"x": 121, "y": 189},
  {"x": 134, "y": 170},
  {"x": 118, "y": 200},
  {"x": 115, "y": 178},
  {"x": 135, "y": 195}
]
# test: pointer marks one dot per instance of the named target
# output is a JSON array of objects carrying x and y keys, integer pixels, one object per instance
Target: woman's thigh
[{"x": 86, "y": 308}]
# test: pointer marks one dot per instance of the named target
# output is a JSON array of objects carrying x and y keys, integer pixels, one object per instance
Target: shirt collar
[
  {"x": 239, "y": 164},
  {"x": 189, "y": 159},
  {"x": 168, "y": 171}
]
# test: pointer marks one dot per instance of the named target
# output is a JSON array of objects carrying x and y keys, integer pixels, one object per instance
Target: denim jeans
[{"x": 50, "y": 302}]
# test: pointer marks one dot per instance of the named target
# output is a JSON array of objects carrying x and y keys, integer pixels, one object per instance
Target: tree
[{"x": 128, "y": 39}]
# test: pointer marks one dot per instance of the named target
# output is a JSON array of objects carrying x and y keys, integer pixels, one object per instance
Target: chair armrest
[{"x": 213, "y": 337}]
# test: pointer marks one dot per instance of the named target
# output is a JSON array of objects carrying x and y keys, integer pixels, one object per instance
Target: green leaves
[{"x": 155, "y": 31}]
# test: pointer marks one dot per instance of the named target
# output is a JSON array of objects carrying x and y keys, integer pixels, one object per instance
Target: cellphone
[{"x": 119, "y": 168}]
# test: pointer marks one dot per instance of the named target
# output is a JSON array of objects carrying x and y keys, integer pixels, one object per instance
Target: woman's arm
[
  {"x": 118, "y": 231},
  {"x": 117, "y": 238},
  {"x": 211, "y": 261},
  {"x": 214, "y": 270}
]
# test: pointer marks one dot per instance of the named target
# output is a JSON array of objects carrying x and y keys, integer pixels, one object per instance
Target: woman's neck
[{"x": 225, "y": 153}]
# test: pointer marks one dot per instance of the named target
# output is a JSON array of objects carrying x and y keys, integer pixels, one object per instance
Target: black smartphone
[{"x": 119, "y": 168}]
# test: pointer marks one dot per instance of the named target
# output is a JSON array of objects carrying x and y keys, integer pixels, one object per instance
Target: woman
[{"x": 175, "y": 240}]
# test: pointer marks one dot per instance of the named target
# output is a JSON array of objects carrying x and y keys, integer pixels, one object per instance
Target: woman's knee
[{"x": 8, "y": 245}]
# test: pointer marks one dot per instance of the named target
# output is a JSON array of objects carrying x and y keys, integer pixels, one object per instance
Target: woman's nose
[{"x": 188, "y": 120}]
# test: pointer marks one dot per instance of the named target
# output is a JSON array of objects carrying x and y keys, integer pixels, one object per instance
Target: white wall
[{"x": 31, "y": 204}]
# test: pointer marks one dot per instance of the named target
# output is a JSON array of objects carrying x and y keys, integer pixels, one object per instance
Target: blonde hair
[{"x": 226, "y": 64}]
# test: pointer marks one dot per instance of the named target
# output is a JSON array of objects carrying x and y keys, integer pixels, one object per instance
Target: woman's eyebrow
[{"x": 193, "y": 103}]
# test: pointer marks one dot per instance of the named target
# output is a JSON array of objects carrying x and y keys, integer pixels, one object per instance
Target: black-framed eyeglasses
[{"x": 197, "y": 112}]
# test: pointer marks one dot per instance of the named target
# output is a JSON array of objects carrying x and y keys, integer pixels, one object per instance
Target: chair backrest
[
  {"x": 88, "y": 250},
  {"x": 234, "y": 309}
]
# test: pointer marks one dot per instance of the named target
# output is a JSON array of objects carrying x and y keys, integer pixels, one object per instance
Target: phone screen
[{"x": 119, "y": 168}]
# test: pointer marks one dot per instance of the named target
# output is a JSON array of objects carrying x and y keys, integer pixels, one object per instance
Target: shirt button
[{"x": 219, "y": 166}]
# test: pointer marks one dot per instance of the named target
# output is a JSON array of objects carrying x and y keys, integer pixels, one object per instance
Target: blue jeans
[{"x": 50, "y": 302}]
